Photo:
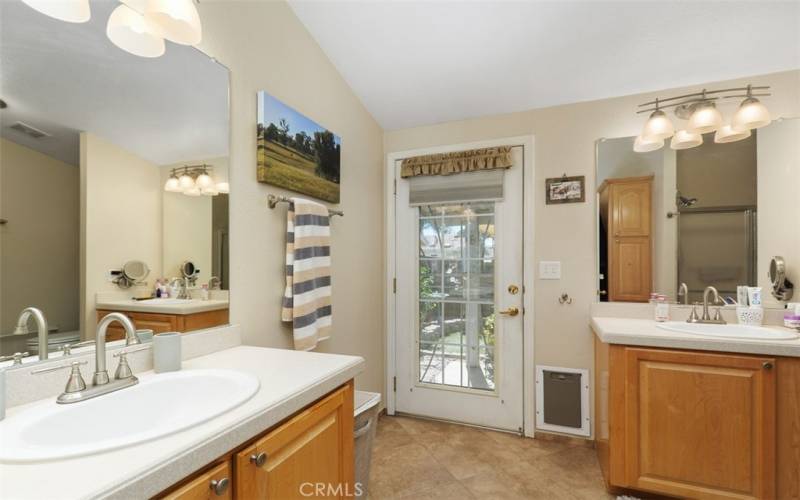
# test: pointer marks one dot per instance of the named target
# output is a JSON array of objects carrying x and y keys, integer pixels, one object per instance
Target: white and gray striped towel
[{"x": 307, "y": 298}]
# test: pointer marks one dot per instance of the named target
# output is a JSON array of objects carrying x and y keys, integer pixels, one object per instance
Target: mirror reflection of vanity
[
  {"x": 91, "y": 139},
  {"x": 713, "y": 215}
]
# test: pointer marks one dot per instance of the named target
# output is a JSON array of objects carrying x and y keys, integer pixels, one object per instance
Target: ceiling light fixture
[
  {"x": 71, "y": 11},
  {"x": 194, "y": 180},
  {"x": 173, "y": 185},
  {"x": 700, "y": 109},
  {"x": 130, "y": 31}
]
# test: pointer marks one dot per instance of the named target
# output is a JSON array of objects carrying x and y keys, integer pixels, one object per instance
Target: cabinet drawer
[{"x": 213, "y": 484}]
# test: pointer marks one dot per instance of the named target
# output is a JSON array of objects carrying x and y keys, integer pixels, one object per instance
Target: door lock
[
  {"x": 511, "y": 311},
  {"x": 513, "y": 289}
]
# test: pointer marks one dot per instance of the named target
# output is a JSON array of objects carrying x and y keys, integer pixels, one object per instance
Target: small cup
[
  {"x": 145, "y": 336},
  {"x": 167, "y": 352}
]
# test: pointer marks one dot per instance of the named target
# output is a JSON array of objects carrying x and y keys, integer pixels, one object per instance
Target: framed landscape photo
[
  {"x": 565, "y": 189},
  {"x": 295, "y": 152}
]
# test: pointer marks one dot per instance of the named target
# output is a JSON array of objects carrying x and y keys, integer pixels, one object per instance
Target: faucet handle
[
  {"x": 67, "y": 349},
  {"x": 693, "y": 316},
  {"x": 17, "y": 357},
  {"x": 123, "y": 368},
  {"x": 718, "y": 315},
  {"x": 75, "y": 382}
]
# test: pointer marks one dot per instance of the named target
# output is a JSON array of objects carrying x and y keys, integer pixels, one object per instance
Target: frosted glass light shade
[
  {"x": 71, "y": 11},
  {"x": 223, "y": 187},
  {"x": 646, "y": 144},
  {"x": 685, "y": 140},
  {"x": 172, "y": 185},
  {"x": 193, "y": 191},
  {"x": 706, "y": 118},
  {"x": 204, "y": 181},
  {"x": 210, "y": 191},
  {"x": 186, "y": 182},
  {"x": 178, "y": 20},
  {"x": 751, "y": 114},
  {"x": 131, "y": 32},
  {"x": 727, "y": 133},
  {"x": 658, "y": 126}
]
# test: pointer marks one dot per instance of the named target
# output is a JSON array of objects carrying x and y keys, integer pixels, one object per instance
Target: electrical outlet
[{"x": 549, "y": 270}]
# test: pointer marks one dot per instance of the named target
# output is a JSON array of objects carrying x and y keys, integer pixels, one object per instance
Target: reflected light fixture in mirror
[
  {"x": 186, "y": 182},
  {"x": 71, "y": 11},
  {"x": 685, "y": 140},
  {"x": 646, "y": 144},
  {"x": 173, "y": 185},
  {"x": 706, "y": 118},
  {"x": 727, "y": 133},
  {"x": 130, "y": 31},
  {"x": 223, "y": 187}
]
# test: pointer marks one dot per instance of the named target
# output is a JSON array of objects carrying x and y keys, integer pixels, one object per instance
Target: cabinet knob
[
  {"x": 767, "y": 365},
  {"x": 259, "y": 459},
  {"x": 219, "y": 487}
]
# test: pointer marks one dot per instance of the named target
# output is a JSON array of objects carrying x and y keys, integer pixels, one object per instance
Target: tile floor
[{"x": 422, "y": 459}]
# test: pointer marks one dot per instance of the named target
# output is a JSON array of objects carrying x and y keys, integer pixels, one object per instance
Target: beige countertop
[
  {"x": 162, "y": 306},
  {"x": 290, "y": 380},
  {"x": 645, "y": 332}
]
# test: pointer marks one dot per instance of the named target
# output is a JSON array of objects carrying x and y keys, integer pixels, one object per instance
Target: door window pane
[{"x": 456, "y": 290}]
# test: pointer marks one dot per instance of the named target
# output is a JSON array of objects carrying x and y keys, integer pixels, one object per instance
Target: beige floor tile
[{"x": 405, "y": 470}]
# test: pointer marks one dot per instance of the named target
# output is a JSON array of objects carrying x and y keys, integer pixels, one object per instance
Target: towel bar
[{"x": 273, "y": 200}]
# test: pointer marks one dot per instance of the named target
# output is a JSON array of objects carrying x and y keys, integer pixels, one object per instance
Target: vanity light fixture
[
  {"x": 71, "y": 11},
  {"x": 727, "y": 133},
  {"x": 178, "y": 20},
  {"x": 700, "y": 111},
  {"x": 685, "y": 140},
  {"x": 195, "y": 180},
  {"x": 130, "y": 31}
]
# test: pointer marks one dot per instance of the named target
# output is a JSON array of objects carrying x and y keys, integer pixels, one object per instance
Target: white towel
[{"x": 307, "y": 298}]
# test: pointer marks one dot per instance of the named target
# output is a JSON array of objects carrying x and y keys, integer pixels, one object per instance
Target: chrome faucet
[
  {"x": 41, "y": 326},
  {"x": 706, "y": 316},
  {"x": 683, "y": 291},
  {"x": 76, "y": 389},
  {"x": 182, "y": 293},
  {"x": 131, "y": 337}
]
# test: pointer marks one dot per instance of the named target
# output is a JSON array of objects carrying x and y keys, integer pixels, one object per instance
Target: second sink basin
[
  {"x": 159, "y": 405},
  {"x": 728, "y": 331}
]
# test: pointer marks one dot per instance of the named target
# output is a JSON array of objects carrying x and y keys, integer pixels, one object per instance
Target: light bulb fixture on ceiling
[
  {"x": 173, "y": 185},
  {"x": 71, "y": 11},
  {"x": 751, "y": 113},
  {"x": 700, "y": 109},
  {"x": 194, "y": 180},
  {"x": 130, "y": 31},
  {"x": 684, "y": 139},
  {"x": 204, "y": 181},
  {"x": 644, "y": 144},
  {"x": 186, "y": 182},
  {"x": 658, "y": 126},
  {"x": 727, "y": 133},
  {"x": 178, "y": 20}
]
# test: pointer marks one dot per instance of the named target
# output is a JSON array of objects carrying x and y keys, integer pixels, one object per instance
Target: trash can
[{"x": 366, "y": 422}]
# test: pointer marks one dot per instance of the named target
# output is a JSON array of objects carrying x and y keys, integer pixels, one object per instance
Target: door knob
[{"x": 511, "y": 311}]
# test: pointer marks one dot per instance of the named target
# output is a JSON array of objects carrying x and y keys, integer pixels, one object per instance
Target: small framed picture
[{"x": 565, "y": 189}]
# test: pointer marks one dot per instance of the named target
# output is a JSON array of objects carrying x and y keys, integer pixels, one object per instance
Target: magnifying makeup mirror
[{"x": 782, "y": 288}]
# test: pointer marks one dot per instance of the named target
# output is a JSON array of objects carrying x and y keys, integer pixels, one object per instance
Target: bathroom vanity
[
  {"x": 693, "y": 416},
  {"x": 166, "y": 315}
]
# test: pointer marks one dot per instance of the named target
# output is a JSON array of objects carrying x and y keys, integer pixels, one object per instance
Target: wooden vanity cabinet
[
  {"x": 698, "y": 424},
  {"x": 160, "y": 323},
  {"x": 309, "y": 455}
]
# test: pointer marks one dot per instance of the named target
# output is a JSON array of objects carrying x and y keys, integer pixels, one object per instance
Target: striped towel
[{"x": 307, "y": 299}]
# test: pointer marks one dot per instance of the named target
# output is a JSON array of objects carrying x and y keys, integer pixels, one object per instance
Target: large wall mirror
[
  {"x": 113, "y": 180},
  {"x": 713, "y": 215}
]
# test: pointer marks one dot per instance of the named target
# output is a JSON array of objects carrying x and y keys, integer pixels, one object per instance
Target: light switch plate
[{"x": 549, "y": 270}]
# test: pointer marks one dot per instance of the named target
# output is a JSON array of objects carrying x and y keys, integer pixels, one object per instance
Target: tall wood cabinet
[
  {"x": 698, "y": 424},
  {"x": 626, "y": 213}
]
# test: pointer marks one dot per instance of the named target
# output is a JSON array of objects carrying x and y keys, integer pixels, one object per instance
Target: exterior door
[{"x": 459, "y": 325}]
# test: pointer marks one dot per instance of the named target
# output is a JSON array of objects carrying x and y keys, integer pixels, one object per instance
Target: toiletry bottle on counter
[
  {"x": 791, "y": 317},
  {"x": 204, "y": 292},
  {"x": 661, "y": 307}
]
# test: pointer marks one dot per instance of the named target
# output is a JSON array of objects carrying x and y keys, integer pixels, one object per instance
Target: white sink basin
[
  {"x": 728, "y": 331},
  {"x": 159, "y": 405},
  {"x": 165, "y": 302}
]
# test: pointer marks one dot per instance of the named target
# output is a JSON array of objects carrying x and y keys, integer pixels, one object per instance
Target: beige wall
[
  {"x": 565, "y": 143},
  {"x": 187, "y": 224},
  {"x": 121, "y": 210},
  {"x": 39, "y": 197},
  {"x": 267, "y": 48}
]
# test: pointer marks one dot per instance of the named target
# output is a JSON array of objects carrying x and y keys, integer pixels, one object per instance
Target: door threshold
[{"x": 519, "y": 432}]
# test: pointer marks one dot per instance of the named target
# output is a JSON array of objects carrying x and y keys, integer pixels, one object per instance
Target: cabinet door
[
  {"x": 630, "y": 208},
  {"x": 214, "y": 484},
  {"x": 311, "y": 455},
  {"x": 630, "y": 279},
  {"x": 700, "y": 425}
]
